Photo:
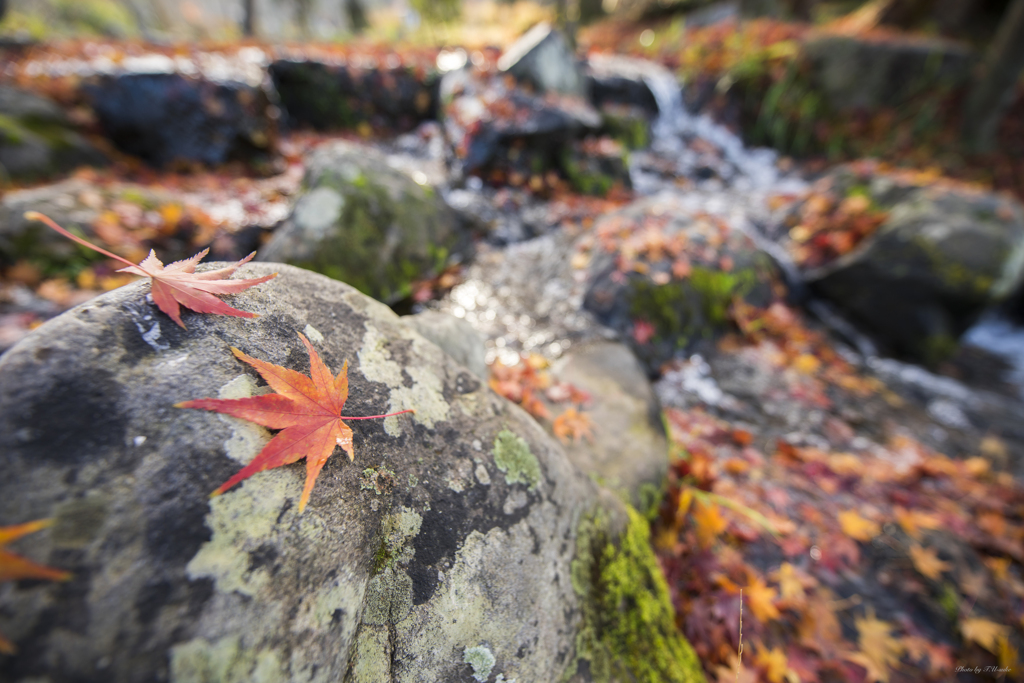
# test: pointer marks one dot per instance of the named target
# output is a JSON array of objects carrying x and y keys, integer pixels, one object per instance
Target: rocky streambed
[{"x": 612, "y": 255}]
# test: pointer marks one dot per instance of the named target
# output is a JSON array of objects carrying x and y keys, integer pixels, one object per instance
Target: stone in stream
[
  {"x": 942, "y": 256},
  {"x": 172, "y": 118},
  {"x": 330, "y": 96},
  {"x": 627, "y": 452},
  {"x": 543, "y": 60},
  {"x": 36, "y": 139},
  {"x": 462, "y": 542},
  {"x": 665, "y": 279},
  {"x": 363, "y": 221}
]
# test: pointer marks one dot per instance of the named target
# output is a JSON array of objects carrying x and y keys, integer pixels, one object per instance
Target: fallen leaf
[
  {"x": 879, "y": 651},
  {"x": 774, "y": 663},
  {"x": 573, "y": 425},
  {"x": 178, "y": 284},
  {"x": 708, "y": 522},
  {"x": 15, "y": 567},
  {"x": 307, "y": 410},
  {"x": 761, "y": 600},
  {"x": 856, "y": 527},
  {"x": 983, "y": 632},
  {"x": 927, "y": 562}
]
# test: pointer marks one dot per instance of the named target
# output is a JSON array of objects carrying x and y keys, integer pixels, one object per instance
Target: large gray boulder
[
  {"x": 461, "y": 544},
  {"x": 36, "y": 139},
  {"x": 943, "y": 256},
  {"x": 365, "y": 222}
]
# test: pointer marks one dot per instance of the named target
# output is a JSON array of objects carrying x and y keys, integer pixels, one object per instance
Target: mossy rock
[
  {"x": 363, "y": 222},
  {"x": 944, "y": 255},
  {"x": 661, "y": 308},
  {"x": 36, "y": 139}
]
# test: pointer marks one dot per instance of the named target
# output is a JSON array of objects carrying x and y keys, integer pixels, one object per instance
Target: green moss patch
[{"x": 629, "y": 631}]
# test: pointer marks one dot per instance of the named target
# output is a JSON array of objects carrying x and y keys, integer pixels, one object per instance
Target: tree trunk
[
  {"x": 249, "y": 18},
  {"x": 994, "y": 91},
  {"x": 356, "y": 15}
]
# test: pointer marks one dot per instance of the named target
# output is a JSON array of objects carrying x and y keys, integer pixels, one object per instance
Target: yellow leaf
[
  {"x": 877, "y": 645},
  {"x": 708, "y": 522},
  {"x": 791, "y": 585},
  {"x": 685, "y": 500},
  {"x": 913, "y": 521},
  {"x": 927, "y": 561},
  {"x": 856, "y": 527},
  {"x": 1007, "y": 654},
  {"x": 761, "y": 600},
  {"x": 807, "y": 364},
  {"x": 774, "y": 662},
  {"x": 983, "y": 632}
]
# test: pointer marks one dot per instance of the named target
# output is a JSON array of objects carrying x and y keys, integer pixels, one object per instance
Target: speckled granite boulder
[
  {"x": 461, "y": 542},
  {"x": 363, "y": 221}
]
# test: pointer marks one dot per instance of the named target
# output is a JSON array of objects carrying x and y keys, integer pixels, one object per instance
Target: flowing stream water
[{"x": 523, "y": 297}]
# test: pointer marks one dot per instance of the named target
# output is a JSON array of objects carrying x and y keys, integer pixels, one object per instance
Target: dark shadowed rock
[
  {"x": 543, "y": 60},
  {"x": 461, "y": 542},
  {"x": 942, "y": 256},
  {"x": 867, "y": 73},
  {"x": 36, "y": 139},
  {"x": 331, "y": 96},
  {"x": 365, "y": 222},
  {"x": 167, "y": 118}
]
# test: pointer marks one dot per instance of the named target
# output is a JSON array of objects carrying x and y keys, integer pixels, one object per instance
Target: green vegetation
[{"x": 629, "y": 631}]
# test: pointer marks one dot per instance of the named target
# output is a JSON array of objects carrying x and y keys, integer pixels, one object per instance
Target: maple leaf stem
[
  {"x": 373, "y": 417},
  {"x": 36, "y": 216}
]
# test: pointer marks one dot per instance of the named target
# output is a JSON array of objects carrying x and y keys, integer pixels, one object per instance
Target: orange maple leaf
[
  {"x": 708, "y": 522},
  {"x": 14, "y": 567},
  {"x": 983, "y": 632},
  {"x": 573, "y": 425},
  {"x": 178, "y": 284},
  {"x": 307, "y": 410}
]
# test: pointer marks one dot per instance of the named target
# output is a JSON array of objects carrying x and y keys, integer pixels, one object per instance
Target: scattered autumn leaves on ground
[{"x": 897, "y": 564}]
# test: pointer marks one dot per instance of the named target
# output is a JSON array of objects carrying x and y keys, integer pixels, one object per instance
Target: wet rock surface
[{"x": 448, "y": 544}]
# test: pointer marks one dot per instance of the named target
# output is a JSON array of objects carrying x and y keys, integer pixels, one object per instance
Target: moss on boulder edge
[{"x": 629, "y": 630}]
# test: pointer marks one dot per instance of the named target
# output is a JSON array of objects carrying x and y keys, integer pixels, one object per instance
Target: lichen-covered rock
[
  {"x": 446, "y": 550},
  {"x": 665, "y": 279},
  {"x": 454, "y": 336},
  {"x": 364, "y": 222},
  {"x": 31, "y": 240},
  {"x": 943, "y": 255},
  {"x": 36, "y": 139},
  {"x": 627, "y": 450},
  {"x": 169, "y": 118},
  {"x": 329, "y": 96}
]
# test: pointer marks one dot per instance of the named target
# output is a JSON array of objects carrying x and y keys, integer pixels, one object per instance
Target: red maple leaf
[
  {"x": 178, "y": 283},
  {"x": 307, "y": 410}
]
